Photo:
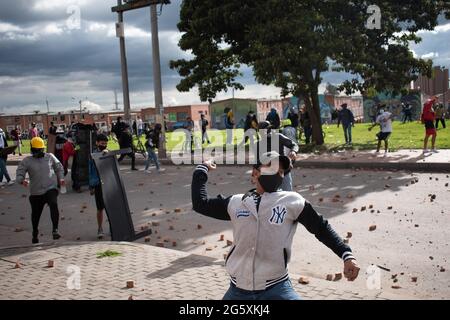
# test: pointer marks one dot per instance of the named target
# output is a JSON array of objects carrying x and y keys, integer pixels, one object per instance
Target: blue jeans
[
  {"x": 348, "y": 133},
  {"x": 280, "y": 291},
  {"x": 152, "y": 156},
  {"x": 3, "y": 170},
  {"x": 287, "y": 182}
]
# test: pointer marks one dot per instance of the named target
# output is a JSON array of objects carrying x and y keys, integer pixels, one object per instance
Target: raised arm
[
  {"x": 211, "y": 207},
  {"x": 288, "y": 143}
]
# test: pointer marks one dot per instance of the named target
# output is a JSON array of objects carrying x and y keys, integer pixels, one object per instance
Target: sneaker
[
  {"x": 147, "y": 171},
  {"x": 56, "y": 235},
  {"x": 161, "y": 170},
  {"x": 100, "y": 234},
  {"x": 11, "y": 182},
  {"x": 434, "y": 151},
  {"x": 425, "y": 151},
  {"x": 34, "y": 240},
  {"x": 385, "y": 154},
  {"x": 2, "y": 184}
]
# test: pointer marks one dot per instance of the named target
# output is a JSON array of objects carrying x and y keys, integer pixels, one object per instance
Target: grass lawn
[{"x": 404, "y": 136}]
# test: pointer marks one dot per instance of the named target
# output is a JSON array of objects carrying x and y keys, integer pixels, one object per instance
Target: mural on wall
[
  {"x": 240, "y": 109},
  {"x": 296, "y": 103},
  {"x": 393, "y": 104}
]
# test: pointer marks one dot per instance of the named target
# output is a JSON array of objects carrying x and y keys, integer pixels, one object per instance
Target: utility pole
[
  {"x": 157, "y": 79},
  {"x": 133, "y": 5},
  {"x": 123, "y": 58}
]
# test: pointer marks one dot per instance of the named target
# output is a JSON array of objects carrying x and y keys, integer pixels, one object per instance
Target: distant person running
[
  {"x": 95, "y": 184},
  {"x": 189, "y": 134},
  {"x": 204, "y": 125},
  {"x": 229, "y": 125},
  {"x": 152, "y": 143},
  {"x": 45, "y": 172},
  {"x": 305, "y": 122},
  {"x": 428, "y": 118},
  {"x": 3, "y": 158},
  {"x": 33, "y": 132},
  {"x": 251, "y": 124},
  {"x": 17, "y": 139},
  {"x": 69, "y": 151},
  {"x": 348, "y": 121},
  {"x": 440, "y": 116},
  {"x": 125, "y": 142},
  {"x": 384, "y": 119}
]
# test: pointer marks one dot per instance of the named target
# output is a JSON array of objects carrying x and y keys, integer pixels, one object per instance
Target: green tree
[{"x": 290, "y": 44}]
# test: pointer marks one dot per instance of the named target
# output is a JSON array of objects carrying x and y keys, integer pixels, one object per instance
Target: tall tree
[{"x": 290, "y": 43}]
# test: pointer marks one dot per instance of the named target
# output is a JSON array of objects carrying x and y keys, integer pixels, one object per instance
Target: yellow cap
[{"x": 37, "y": 143}]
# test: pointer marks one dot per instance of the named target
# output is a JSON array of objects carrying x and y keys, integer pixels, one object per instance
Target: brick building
[{"x": 61, "y": 119}]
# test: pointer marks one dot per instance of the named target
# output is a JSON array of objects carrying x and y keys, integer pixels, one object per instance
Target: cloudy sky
[{"x": 46, "y": 53}]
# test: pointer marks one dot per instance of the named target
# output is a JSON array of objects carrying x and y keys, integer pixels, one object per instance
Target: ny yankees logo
[{"x": 278, "y": 214}]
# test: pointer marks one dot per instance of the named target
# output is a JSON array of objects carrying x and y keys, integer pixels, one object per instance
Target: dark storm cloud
[{"x": 40, "y": 56}]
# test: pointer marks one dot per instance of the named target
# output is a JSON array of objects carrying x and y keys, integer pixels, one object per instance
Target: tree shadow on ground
[{"x": 192, "y": 261}]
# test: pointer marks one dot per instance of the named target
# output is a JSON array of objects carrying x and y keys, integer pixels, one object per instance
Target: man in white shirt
[
  {"x": 140, "y": 126},
  {"x": 384, "y": 119}
]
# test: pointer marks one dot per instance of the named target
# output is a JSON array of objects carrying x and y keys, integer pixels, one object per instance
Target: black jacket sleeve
[
  {"x": 317, "y": 225},
  {"x": 288, "y": 143},
  {"x": 211, "y": 207}
]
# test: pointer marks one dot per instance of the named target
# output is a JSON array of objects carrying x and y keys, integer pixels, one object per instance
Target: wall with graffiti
[
  {"x": 296, "y": 103},
  {"x": 393, "y": 104},
  {"x": 240, "y": 109}
]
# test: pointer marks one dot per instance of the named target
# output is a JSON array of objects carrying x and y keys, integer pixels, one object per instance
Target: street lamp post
[
  {"x": 157, "y": 78},
  {"x": 120, "y": 9},
  {"x": 123, "y": 59}
]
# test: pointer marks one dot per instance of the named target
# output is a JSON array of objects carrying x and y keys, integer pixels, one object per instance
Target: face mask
[
  {"x": 270, "y": 183},
  {"x": 101, "y": 148}
]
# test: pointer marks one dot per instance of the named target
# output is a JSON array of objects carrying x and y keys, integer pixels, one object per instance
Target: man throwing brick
[{"x": 264, "y": 223}]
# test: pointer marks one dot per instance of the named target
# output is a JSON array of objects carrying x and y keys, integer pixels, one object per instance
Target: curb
[{"x": 432, "y": 167}]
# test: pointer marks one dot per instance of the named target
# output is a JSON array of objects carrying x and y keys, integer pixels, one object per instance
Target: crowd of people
[
  {"x": 48, "y": 165},
  {"x": 44, "y": 172}
]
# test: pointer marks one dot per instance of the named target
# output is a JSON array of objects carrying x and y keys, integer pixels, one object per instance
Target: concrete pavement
[
  {"x": 410, "y": 240},
  {"x": 157, "y": 273}
]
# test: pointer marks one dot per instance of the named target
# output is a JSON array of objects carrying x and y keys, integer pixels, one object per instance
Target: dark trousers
[
  {"x": 74, "y": 175},
  {"x": 37, "y": 206},
  {"x": 308, "y": 134},
  {"x": 131, "y": 155},
  {"x": 442, "y": 120}
]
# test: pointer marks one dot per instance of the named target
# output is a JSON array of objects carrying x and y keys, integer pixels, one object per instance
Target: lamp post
[{"x": 120, "y": 9}]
